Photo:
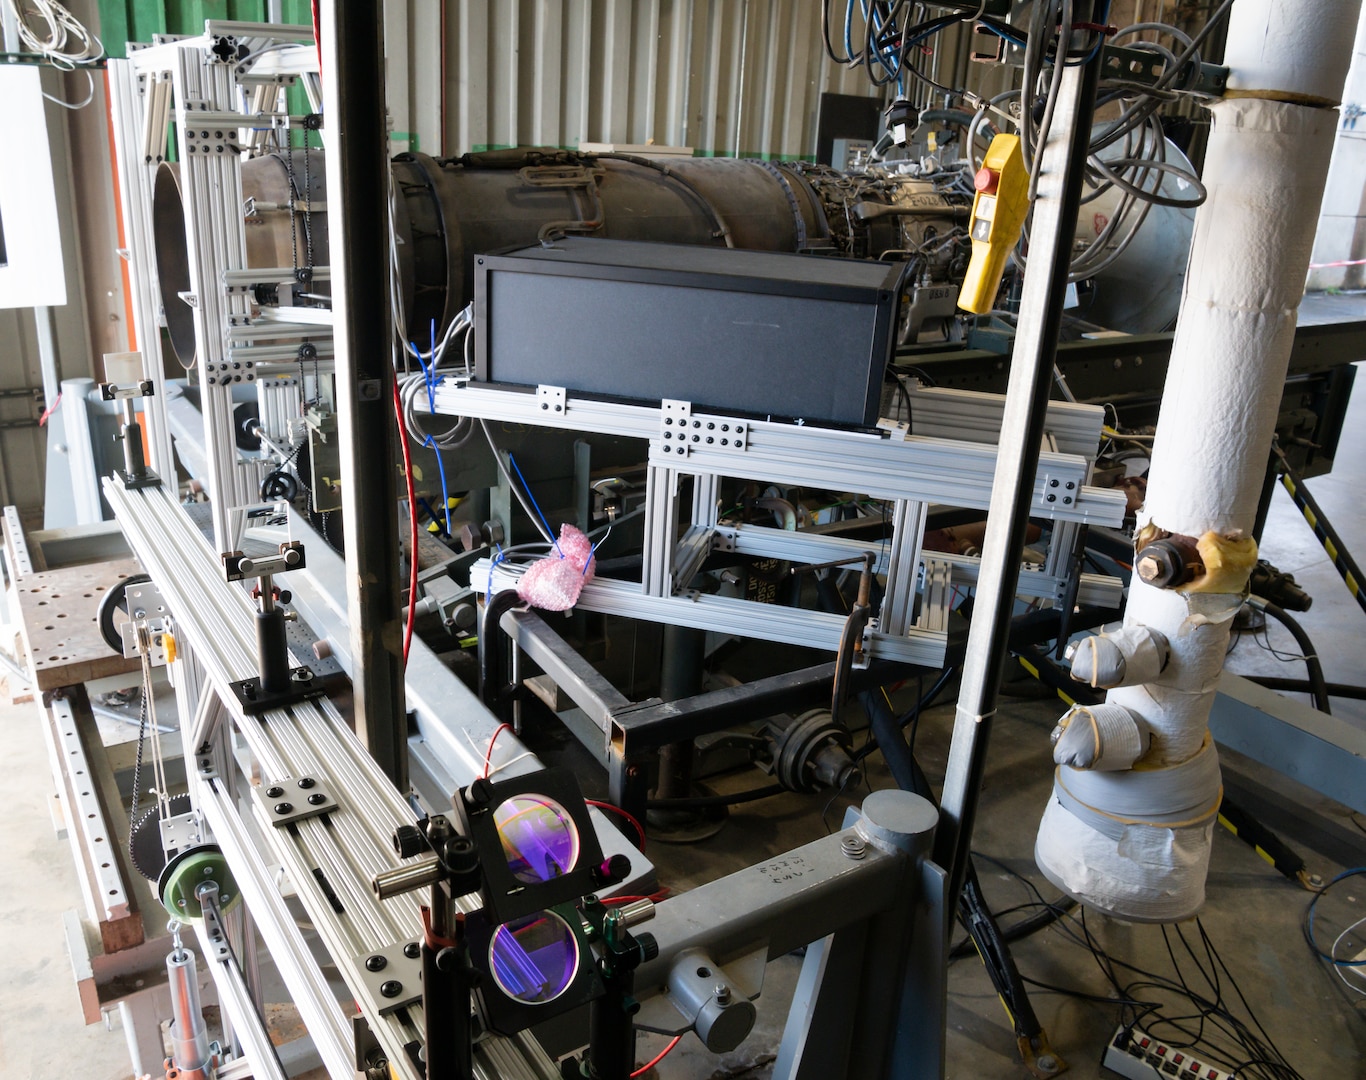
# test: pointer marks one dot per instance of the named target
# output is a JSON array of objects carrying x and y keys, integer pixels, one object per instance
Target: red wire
[
  {"x": 657, "y": 897},
  {"x": 657, "y": 1059},
  {"x": 488, "y": 758},
  {"x": 412, "y": 525},
  {"x": 317, "y": 37},
  {"x": 639, "y": 828}
]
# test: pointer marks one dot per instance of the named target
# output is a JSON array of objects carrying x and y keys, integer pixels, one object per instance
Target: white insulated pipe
[{"x": 1135, "y": 843}]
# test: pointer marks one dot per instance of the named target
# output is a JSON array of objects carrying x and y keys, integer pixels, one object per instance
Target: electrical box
[{"x": 758, "y": 333}]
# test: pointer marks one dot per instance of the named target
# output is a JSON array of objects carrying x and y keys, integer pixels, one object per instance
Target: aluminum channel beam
[
  {"x": 727, "y": 615},
  {"x": 311, "y": 738},
  {"x": 235, "y": 999},
  {"x": 919, "y": 469},
  {"x": 1097, "y": 590},
  {"x": 135, "y": 178},
  {"x": 971, "y": 416}
]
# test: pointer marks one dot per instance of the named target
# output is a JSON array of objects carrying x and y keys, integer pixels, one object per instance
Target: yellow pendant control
[{"x": 998, "y": 214}]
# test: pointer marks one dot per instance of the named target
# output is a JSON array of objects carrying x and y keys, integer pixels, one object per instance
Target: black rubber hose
[
  {"x": 1317, "y": 684},
  {"x": 702, "y": 801},
  {"x": 947, "y": 116},
  {"x": 1303, "y": 686},
  {"x": 1050, "y": 914}
]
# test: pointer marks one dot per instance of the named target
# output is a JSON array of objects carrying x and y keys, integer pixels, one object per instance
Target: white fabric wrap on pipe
[
  {"x": 1265, "y": 170},
  {"x": 1127, "y": 657},
  {"x": 1289, "y": 47},
  {"x": 1106, "y": 738}
]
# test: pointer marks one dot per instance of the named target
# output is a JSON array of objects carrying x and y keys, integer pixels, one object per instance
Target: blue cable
[
  {"x": 492, "y": 567},
  {"x": 534, "y": 504},
  {"x": 1309, "y": 921},
  {"x": 431, "y": 512},
  {"x": 441, "y": 467}
]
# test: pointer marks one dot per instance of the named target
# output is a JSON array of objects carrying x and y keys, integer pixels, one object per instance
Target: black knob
[
  {"x": 409, "y": 841},
  {"x": 460, "y": 854},
  {"x": 612, "y": 870},
  {"x": 649, "y": 947}
]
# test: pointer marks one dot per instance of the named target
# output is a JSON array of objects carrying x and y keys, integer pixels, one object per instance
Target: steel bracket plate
[
  {"x": 292, "y": 799},
  {"x": 254, "y": 700},
  {"x": 148, "y": 479},
  {"x": 145, "y": 605},
  {"x": 393, "y": 975},
  {"x": 681, "y": 432},
  {"x": 216, "y": 935},
  {"x": 1056, "y": 491},
  {"x": 181, "y": 832},
  {"x": 552, "y": 399}
]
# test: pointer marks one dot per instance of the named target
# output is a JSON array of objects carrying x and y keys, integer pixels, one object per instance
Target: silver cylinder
[
  {"x": 189, "y": 1034},
  {"x": 401, "y": 879}
]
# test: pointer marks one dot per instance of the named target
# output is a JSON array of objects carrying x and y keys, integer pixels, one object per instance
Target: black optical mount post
[
  {"x": 611, "y": 1026},
  {"x": 135, "y": 473},
  {"x": 277, "y": 684}
]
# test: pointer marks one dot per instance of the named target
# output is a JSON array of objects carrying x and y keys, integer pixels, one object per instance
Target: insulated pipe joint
[
  {"x": 1107, "y": 738},
  {"x": 1135, "y": 843},
  {"x": 1128, "y": 657}
]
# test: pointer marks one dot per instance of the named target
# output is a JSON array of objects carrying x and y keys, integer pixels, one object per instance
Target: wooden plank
[{"x": 59, "y": 624}]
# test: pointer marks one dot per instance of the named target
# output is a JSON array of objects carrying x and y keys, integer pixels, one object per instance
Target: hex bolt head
[
  {"x": 722, "y": 993},
  {"x": 283, "y": 807},
  {"x": 317, "y": 799},
  {"x": 274, "y": 792},
  {"x": 391, "y": 988},
  {"x": 376, "y": 963}
]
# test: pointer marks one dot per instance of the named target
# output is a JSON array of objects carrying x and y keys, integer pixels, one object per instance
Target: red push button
[{"x": 985, "y": 181}]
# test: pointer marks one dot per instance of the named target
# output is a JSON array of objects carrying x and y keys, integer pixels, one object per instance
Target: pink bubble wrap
[{"x": 554, "y": 582}]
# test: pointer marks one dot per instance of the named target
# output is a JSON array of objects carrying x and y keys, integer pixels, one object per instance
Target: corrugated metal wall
[{"x": 722, "y": 76}]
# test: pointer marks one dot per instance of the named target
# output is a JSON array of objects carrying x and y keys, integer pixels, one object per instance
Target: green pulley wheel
[{"x": 178, "y": 885}]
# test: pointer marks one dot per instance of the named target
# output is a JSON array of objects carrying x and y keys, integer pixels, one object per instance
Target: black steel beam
[
  {"x": 1061, "y": 167},
  {"x": 352, "y": 46}
]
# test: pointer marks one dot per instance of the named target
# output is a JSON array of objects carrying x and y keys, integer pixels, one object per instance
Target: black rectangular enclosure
[{"x": 760, "y": 333}]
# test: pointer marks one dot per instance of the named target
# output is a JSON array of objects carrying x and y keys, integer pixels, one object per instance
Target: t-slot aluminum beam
[
  {"x": 919, "y": 469},
  {"x": 135, "y": 178},
  {"x": 329, "y": 861}
]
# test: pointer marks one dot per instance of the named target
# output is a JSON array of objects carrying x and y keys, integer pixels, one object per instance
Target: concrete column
[{"x": 1129, "y": 832}]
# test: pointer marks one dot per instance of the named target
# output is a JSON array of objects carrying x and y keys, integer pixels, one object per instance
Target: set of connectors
[{"x": 1139, "y": 1056}]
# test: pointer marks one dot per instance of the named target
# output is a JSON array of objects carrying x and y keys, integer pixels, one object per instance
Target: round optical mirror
[
  {"x": 535, "y": 958},
  {"x": 540, "y": 840}
]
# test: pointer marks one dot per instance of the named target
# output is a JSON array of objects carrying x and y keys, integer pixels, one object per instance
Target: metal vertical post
[
  {"x": 357, "y": 179},
  {"x": 1062, "y": 162}
]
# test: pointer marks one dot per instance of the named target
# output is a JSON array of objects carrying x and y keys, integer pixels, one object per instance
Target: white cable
[
  {"x": 59, "y": 35},
  {"x": 1342, "y": 972},
  {"x": 516, "y": 490}
]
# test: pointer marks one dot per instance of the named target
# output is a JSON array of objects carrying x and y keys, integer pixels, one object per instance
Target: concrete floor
[
  {"x": 41, "y": 1031},
  {"x": 1253, "y": 914}
]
